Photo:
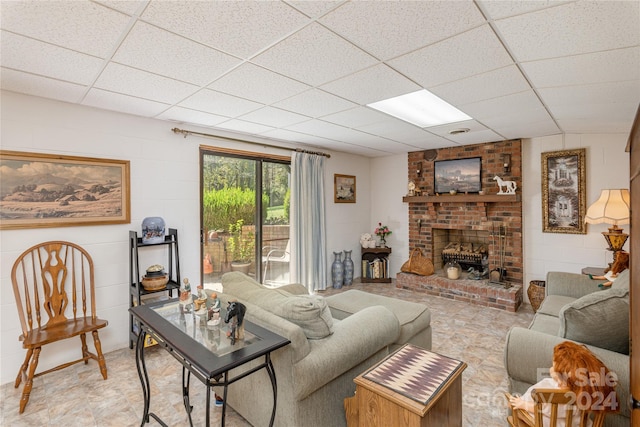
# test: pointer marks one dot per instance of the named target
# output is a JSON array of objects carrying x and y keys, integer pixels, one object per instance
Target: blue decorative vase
[
  {"x": 153, "y": 230},
  {"x": 348, "y": 268},
  {"x": 337, "y": 271}
]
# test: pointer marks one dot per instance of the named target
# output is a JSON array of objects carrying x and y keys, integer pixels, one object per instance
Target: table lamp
[{"x": 611, "y": 208}]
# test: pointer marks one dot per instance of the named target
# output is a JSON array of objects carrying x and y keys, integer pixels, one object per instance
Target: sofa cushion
[
  {"x": 545, "y": 323},
  {"x": 552, "y": 304},
  {"x": 600, "y": 319}
]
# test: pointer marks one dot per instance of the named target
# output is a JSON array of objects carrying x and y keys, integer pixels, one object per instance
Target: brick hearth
[{"x": 478, "y": 292}]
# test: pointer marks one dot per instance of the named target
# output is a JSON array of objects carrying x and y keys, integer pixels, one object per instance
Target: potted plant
[{"x": 241, "y": 247}]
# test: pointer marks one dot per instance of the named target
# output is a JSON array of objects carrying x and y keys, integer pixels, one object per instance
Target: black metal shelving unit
[{"x": 136, "y": 290}]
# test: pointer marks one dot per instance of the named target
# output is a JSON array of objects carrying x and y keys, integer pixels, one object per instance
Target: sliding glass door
[{"x": 244, "y": 216}]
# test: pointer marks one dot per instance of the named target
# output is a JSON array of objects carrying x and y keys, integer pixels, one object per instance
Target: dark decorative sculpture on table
[{"x": 235, "y": 314}]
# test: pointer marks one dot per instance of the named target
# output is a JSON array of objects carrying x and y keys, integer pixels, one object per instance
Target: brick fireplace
[{"x": 490, "y": 219}]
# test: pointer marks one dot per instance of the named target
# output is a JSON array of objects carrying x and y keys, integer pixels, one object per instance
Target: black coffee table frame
[{"x": 198, "y": 360}]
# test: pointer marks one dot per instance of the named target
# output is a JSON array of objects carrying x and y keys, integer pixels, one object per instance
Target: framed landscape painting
[
  {"x": 461, "y": 175},
  {"x": 48, "y": 190},
  {"x": 344, "y": 188},
  {"x": 563, "y": 192}
]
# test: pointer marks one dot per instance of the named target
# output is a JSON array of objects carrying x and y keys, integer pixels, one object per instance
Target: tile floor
[{"x": 78, "y": 396}]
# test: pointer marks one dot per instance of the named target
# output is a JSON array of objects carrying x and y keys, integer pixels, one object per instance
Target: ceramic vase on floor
[
  {"x": 337, "y": 271},
  {"x": 348, "y": 268}
]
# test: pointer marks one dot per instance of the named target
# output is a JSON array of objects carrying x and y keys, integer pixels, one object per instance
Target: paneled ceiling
[{"x": 303, "y": 71}]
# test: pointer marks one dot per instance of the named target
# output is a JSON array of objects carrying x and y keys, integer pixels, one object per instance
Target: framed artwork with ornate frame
[
  {"x": 50, "y": 190},
  {"x": 344, "y": 188},
  {"x": 563, "y": 191}
]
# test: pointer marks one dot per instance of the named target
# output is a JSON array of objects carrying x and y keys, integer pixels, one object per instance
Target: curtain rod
[{"x": 208, "y": 135}]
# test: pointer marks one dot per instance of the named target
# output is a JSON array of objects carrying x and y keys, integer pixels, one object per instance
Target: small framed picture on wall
[{"x": 344, "y": 188}]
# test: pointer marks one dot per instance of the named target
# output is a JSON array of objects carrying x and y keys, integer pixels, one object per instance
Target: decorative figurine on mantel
[
  {"x": 411, "y": 189},
  {"x": 235, "y": 314},
  {"x": 509, "y": 186}
]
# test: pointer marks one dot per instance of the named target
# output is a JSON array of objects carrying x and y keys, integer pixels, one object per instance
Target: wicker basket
[{"x": 535, "y": 292}]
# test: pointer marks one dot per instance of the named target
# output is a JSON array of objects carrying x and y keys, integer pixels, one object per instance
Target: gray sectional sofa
[
  {"x": 575, "y": 309},
  {"x": 333, "y": 340}
]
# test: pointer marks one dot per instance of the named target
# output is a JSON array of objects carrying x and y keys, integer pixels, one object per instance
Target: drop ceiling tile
[
  {"x": 240, "y": 28},
  {"x": 528, "y": 129},
  {"x": 572, "y": 99},
  {"x": 400, "y": 27},
  {"x": 599, "y": 67},
  {"x": 478, "y": 137},
  {"x": 314, "y": 9},
  {"x": 123, "y": 103},
  {"x": 244, "y": 126},
  {"x": 443, "y": 130},
  {"x": 30, "y": 84},
  {"x": 518, "y": 104},
  {"x": 386, "y": 146},
  {"x": 315, "y": 56},
  {"x": 129, "y": 7},
  {"x": 373, "y": 84},
  {"x": 497, "y": 9},
  {"x": 123, "y": 79},
  {"x": 323, "y": 129},
  {"x": 32, "y": 56},
  {"x": 356, "y": 117},
  {"x": 252, "y": 82},
  {"x": 572, "y": 28},
  {"x": 218, "y": 103},
  {"x": 187, "y": 115},
  {"x": 587, "y": 125},
  {"x": 78, "y": 25},
  {"x": 161, "y": 52},
  {"x": 474, "y": 52},
  {"x": 397, "y": 130},
  {"x": 429, "y": 141},
  {"x": 482, "y": 86},
  {"x": 315, "y": 103},
  {"x": 289, "y": 135},
  {"x": 274, "y": 117}
]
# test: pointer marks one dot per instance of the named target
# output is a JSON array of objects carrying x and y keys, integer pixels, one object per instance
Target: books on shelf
[{"x": 376, "y": 269}]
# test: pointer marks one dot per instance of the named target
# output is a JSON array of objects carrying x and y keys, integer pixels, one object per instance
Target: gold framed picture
[
  {"x": 564, "y": 192},
  {"x": 344, "y": 188},
  {"x": 50, "y": 190}
]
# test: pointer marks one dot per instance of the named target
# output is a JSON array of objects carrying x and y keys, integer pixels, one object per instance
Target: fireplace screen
[{"x": 468, "y": 255}]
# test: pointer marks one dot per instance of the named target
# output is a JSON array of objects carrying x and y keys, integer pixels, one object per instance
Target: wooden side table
[{"x": 429, "y": 394}]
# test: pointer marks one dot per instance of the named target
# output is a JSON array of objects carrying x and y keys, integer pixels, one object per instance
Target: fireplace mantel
[{"x": 463, "y": 198}]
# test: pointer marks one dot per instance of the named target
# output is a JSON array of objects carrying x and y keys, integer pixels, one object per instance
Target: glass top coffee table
[{"x": 204, "y": 351}]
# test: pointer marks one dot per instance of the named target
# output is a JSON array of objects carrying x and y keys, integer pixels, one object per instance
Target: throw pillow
[
  {"x": 600, "y": 319},
  {"x": 622, "y": 281},
  {"x": 310, "y": 312}
]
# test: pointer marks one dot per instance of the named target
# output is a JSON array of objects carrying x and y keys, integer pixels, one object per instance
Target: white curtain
[{"x": 307, "y": 221}]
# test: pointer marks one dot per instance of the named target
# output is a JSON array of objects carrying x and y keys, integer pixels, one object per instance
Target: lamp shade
[{"x": 612, "y": 208}]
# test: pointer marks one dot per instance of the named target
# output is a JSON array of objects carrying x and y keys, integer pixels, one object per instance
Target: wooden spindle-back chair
[
  {"x": 555, "y": 397},
  {"x": 53, "y": 283}
]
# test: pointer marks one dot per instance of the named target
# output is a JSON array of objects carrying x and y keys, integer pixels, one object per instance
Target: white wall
[
  {"x": 388, "y": 186},
  {"x": 347, "y": 221},
  {"x": 607, "y": 166},
  {"x": 164, "y": 182}
]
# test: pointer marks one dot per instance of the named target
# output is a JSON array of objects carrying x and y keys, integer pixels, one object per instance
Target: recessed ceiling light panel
[{"x": 421, "y": 108}]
